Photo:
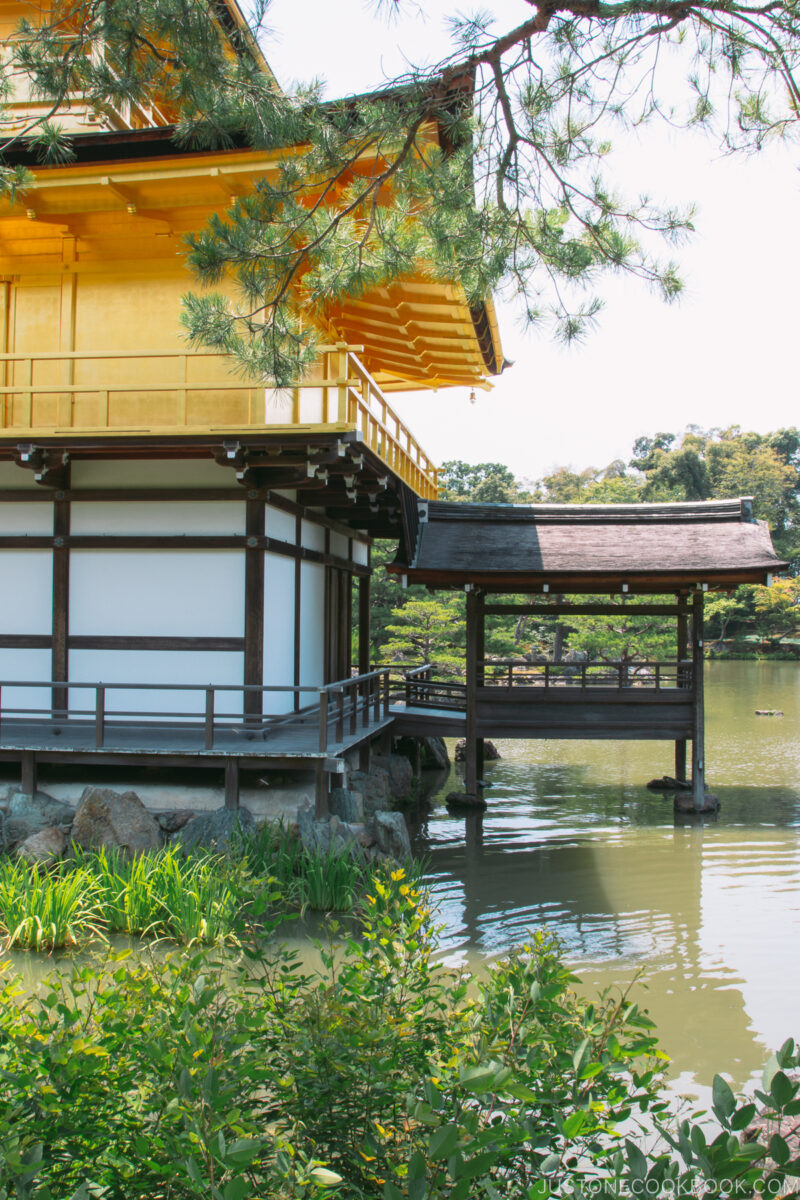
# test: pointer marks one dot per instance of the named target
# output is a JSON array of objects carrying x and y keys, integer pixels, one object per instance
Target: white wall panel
[
  {"x": 280, "y": 524},
  {"x": 26, "y": 597},
  {"x": 339, "y": 545},
  {"x": 171, "y": 516},
  {"x": 160, "y": 473},
  {"x": 312, "y": 626},
  {"x": 25, "y": 664},
  {"x": 182, "y": 593},
  {"x": 278, "y": 630},
  {"x": 12, "y": 476},
  {"x": 155, "y": 666},
  {"x": 26, "y": 518},
  {"x": 313, "y": 536},
  {"x": 361, "y": 553}
]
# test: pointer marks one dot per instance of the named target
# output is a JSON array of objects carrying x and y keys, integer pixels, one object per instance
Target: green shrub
[{"x": 379, "y": 1076}]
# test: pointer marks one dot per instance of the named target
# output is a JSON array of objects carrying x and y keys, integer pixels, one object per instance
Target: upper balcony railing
[{"x": 59, "y": 393}]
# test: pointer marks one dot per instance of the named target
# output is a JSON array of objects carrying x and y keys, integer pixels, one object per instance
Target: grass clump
[
  {"x": 48, "y": 909},
  {"x": 186, "y": 897}
]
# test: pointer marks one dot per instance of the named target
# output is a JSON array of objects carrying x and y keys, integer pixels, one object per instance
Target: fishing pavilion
[{"x": 653, "y": 560}]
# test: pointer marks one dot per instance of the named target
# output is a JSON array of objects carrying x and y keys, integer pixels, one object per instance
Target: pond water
[{"x": 707, "y": 908}]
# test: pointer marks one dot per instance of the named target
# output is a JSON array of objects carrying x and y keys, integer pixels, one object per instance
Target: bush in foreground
[{"x": 380, "y": 1076}]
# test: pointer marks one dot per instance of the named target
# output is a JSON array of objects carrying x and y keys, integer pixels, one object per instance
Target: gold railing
[{"x": 58, "y": 393}]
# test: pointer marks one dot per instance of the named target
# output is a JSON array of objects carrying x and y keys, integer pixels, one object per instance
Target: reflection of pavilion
[
  {"x": 549, "y": 552},
  {"x": 618, "y": 908}
]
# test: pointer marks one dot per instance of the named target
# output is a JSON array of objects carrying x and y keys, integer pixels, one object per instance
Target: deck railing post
[
  {"x": 376, "y": 698},
  {"x": 209, "y": 721},
  {"x": 387, "y": 698},
  {"x": 364, "y": 687},
  {"x": 353, "y": 689},
  {"x": 340, "y": 715},
  {"x": 99, "y": 716},
  {"x": 323, "y": 721},
  {"x": 546, "y": 676}
]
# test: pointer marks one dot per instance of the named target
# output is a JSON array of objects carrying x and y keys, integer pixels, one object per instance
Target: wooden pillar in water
[
  {"x": 480, "y": 676},
  {"x": 683, "y": 654},
  {"x": 474, "y": 619},
  {"x": 698, "y": 734}
]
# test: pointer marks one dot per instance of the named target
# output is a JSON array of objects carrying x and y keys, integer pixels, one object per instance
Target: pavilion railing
[
  {"x": 432, "y": 686},
  {"x": 203, "y": 714},
  {"x": 198, "y": 391}
]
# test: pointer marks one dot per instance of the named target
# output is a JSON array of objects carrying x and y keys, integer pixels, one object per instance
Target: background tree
[{"x": 516, "y": 192}]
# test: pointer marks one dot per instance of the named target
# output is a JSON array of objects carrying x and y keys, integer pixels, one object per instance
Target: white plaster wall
[
  {"x": 31, "y": 518},
  {"x": 18, "y": 478},
  {"x": 339, "y": 545},
  {"x": 159, "y": 473},
  {"x": 182, "y": 593},
  {"x": 280, "y": 524},
  {"x": 278, "y": 631},
  {"x": 312, "y": 627},
  {"x": 171, "y": 516},
  {"x": 26, "y": 597},
  {"x": 278, "y": 406},
  {"x": 22, "y": 665},
  {"x": 154, "y": 666},
  {"x": 313, "y": 536},
  {"x": 360, "y": 553}
]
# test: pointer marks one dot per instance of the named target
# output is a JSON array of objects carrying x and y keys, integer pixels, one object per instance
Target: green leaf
[
  {"x": 550, "y": 1164},
  {"x": 637, "y": 1163},
  {"x": 243, "y": 1151},
  {"x": 770, "y": 1070},
  {"x": 478, "y": 1079},
  {"x": 237, "y": 1189},
  {"x": 778, "y": 1150},
  {"x": 443, "y": 1142},
  {"x": 742, "y": 1117},
  {"x": 320, "y": 1176},
  {"x": 539, "y": 1190},
  {"x": 574, "y": 1123},
  {"x": 782, "y": 1089},
  {"x": 479, "y": 1165},
  {"x": 724, "y": 1101}
]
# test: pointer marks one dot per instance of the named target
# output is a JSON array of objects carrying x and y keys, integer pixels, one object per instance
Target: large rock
[
  {"x": 400, "y": 772},
  {"x": 347, "y": 805},
  {"x": 215, "y": 830},
  {"x": 374, "y": 787},
  {"x": 44, "y": 846},
  {"x": 30, "y": 814},
  {"x": 328, "y": 834},
  {"x": 490, "y": 751},
  {"x": 427, "y": 753},
  {"x": 391, "y": 834},
  {"x": 434, "y": 754},
  {"x": 174, "y": 819},
  {"x": 116, "y": 820}
]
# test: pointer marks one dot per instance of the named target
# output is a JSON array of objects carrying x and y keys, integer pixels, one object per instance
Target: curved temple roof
[{"x": 589, "y": 547}]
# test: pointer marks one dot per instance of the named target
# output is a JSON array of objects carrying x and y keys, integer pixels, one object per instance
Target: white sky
[{"x": 725, "y": 354}]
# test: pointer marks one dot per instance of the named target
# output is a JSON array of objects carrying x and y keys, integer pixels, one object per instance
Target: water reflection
[{"x": 710, "y": 910}]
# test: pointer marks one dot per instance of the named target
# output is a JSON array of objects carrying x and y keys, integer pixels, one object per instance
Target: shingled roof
[{"x": 590, "y": 547}]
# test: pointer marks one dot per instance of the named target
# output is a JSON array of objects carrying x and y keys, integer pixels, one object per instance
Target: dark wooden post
[
  {"x": 683, "y": 651},
  {"x": 480, "y": 651},
  {"x": 698, "y": 735},
  {"x": 231, "y": 783},
  {"x": 321, "y": 782},
  {"x": 59, "y": 654},
  {"x": 363, "y": 624},
  {"x": 253, "y": 699},
  {"x": 474, "y": 615},
  {"x": 28, "y": 772}
]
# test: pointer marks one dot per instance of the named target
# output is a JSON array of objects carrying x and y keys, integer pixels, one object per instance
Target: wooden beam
[
  {"x": 88, "y": 641},
  {"x": 582, "y": 610}
]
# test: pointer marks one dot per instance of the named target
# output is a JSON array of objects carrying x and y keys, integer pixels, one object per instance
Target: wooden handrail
[{"x": 358, "y": 396}]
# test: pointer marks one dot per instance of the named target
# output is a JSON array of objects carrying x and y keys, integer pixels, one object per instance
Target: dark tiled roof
[{"x": 653, "y": 544}]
